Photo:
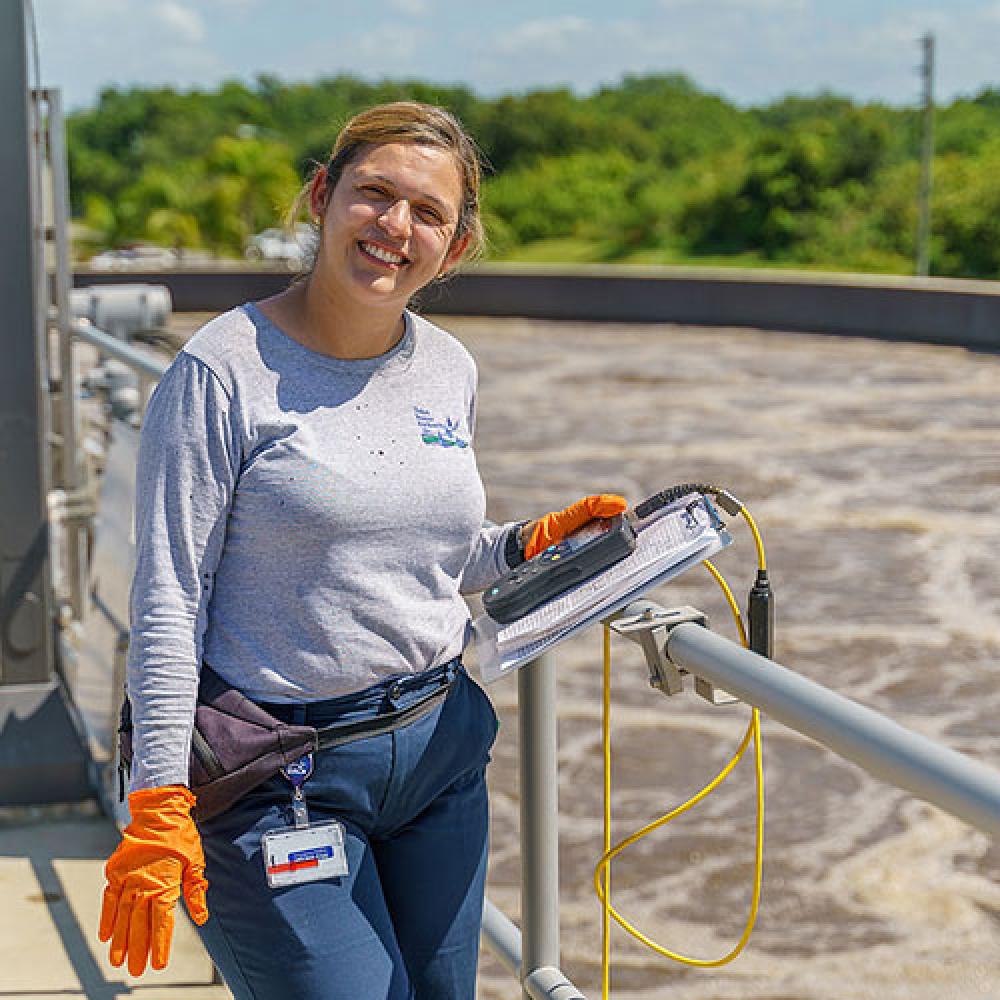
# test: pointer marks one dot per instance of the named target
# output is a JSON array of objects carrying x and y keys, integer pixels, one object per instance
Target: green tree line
[{"x": 650, "y": 170}]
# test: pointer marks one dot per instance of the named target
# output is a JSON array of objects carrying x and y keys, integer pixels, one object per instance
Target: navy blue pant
[{"x": 405, "y": 922}]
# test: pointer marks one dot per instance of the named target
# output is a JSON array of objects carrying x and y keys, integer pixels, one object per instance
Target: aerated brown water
[{"x": 873, "y": 470}]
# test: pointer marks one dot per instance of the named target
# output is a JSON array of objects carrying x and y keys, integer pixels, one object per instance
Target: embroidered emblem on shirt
[{"x": 440, "y": 432}]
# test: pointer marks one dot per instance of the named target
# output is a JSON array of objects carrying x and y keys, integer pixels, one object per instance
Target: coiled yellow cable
[{"x": 602, "y": 871}]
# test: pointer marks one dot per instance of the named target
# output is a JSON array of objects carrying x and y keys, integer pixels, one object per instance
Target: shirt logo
[{"x": 440, "y": 432}]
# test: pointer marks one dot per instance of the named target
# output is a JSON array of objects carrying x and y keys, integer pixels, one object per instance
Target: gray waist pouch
[{"x": 235, "y": 745}]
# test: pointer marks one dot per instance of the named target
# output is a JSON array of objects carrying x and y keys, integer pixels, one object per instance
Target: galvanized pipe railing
[
  {"x": 931, "y": 771},
  {"x": 538, "y": 768},
  {"x": 149, "y": 370},
  {"x": 71, "y": 474},
  {"x": 141, "y": 362}
]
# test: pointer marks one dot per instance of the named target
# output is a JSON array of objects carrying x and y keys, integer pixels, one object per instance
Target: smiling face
[{"x": 388, "y": 226}]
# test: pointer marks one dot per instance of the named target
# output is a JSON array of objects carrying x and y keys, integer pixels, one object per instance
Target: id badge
[{"x": 296, "y": 855}]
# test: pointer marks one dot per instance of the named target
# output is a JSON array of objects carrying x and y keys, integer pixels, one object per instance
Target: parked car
[
  {"x": 289, "y": 247},
  {"x": 134, "y": 257}
]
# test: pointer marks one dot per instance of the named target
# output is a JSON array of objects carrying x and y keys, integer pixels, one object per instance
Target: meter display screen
[
  {"x": 580, "y": 537},
  {"x": 552, "y": 572}
]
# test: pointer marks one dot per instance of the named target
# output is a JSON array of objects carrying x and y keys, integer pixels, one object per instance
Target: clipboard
[{"x": 683, "y": 534}]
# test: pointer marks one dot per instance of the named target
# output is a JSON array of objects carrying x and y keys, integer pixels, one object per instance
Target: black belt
[{"x": 346, "y": 732}]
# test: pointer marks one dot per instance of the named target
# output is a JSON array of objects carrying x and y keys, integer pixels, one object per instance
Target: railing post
[
  {"x": 75, "y": 537},
  {"x": 539, "y": 792}
]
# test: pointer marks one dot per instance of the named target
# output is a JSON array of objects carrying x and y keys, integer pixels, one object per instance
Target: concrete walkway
[{"x": 51, "y": 881}]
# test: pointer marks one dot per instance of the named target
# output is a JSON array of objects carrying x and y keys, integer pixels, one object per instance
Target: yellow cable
[
  {"x": 730, "y": 600},
  {"x": 757, "y": 540},
  {"x": 606, "y": 746},
  {"x": 602, "y": 871}
]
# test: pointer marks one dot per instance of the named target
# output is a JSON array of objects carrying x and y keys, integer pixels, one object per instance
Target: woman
[{"x": 308, "y": 516}]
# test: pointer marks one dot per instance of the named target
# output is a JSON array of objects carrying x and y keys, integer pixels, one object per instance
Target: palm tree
[
  {"x": 250, "y": 183},
  {"x": 164, "y": 205}
]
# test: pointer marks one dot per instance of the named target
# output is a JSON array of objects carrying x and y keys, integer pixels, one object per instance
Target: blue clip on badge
[{"x": 299, "y": 771}]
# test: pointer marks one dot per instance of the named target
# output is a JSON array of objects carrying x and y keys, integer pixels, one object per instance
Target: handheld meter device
[{"x": 578, "y": 557}]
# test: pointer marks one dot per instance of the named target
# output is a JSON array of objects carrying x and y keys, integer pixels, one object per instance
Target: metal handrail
[
  {"x": 931, "y": 771},
  {"x": 140, "y": 362}
]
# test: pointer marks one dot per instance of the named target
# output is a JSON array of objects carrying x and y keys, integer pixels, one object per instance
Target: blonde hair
[{"x": 421, "y": 124}]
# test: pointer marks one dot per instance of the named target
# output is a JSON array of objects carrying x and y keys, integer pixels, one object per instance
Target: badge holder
[{"x": 305, "y": 852}]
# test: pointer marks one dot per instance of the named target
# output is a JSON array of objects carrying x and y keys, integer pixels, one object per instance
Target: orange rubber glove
[
  {"x": 556, "y": 526},
  {"x": 159, "y": 854}
]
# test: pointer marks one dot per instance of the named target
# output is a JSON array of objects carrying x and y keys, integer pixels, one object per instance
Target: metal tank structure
[{"x": 42, "y": 754}]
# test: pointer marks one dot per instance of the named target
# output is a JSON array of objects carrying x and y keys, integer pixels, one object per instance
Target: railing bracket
[{"x": 650, "y": 625}]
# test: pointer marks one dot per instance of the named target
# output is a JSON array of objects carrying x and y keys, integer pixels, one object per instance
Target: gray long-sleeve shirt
[{"x": 304, "y": 523}]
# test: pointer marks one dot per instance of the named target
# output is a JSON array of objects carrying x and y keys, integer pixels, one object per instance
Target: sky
[{"x": 750, "y": 51}]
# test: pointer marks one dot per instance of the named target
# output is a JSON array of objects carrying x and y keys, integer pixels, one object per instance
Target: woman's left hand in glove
[{"x": 537, "y": 536}]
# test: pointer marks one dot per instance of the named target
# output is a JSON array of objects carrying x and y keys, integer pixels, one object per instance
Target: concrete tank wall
[{"x": 936, "y": 310}]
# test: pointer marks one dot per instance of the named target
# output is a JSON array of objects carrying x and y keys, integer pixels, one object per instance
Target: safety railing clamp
[{"x": 649, "y": 625}]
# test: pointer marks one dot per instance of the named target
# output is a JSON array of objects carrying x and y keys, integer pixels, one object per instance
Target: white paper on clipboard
[{"x": 686, "y": 534}]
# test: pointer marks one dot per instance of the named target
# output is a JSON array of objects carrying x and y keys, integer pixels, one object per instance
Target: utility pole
[{"x": 926, "y": 158}]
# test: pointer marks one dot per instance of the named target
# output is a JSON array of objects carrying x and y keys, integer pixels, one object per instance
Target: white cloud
[
  {"x": 753, "y": 7},
  {"x": 184, "y": 24},
  {"x": 396, "y": 50},
  {"x": 547, "y": 35},
  {"x": 883, "y": 59},
  {"x": 411, "y": 8},
  {"x": 100, "y": 10},
  {"x": 753, "y": 51}
]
